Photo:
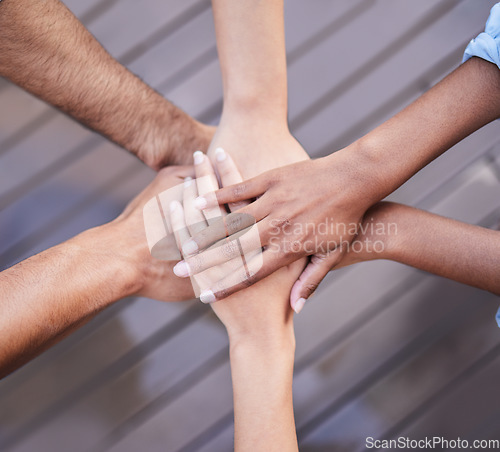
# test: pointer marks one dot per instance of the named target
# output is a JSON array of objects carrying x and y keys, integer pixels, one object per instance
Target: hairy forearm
[
  {"x": 47, "y": 296},
  {"x": 460, "y": 104},
  {"x": 466, "y": 253},
  {"x": 47, "y": 51},
  {"x": 251, "y": 44},
  {"x": 262, "y": 378}
]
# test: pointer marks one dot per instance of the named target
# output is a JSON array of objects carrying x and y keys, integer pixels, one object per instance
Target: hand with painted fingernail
[{"x": 236, "y": 259}]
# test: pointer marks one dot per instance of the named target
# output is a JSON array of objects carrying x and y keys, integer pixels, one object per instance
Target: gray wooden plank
[
  {"x": 409, "y": 309},
  {"x": 92, "y": 209},
  {"x": 187, "y": 43},
  {"x": 21, "y": 108},
  {"x": 218, "y": 437},
  {"x": 13, "y": 167},
  {"x": 466, "y": 401},
  {"x": 129, "y": 22},
  {"x": 71, "y": 370},
  {"x": 56, "y": 195},
  {"x": 80, "y": 9},
  {"x": 392, "y": 398},
  {"x": 309, "y": 23},
  {"x": 402, "y": 68},
  {"x": 347, "y": 62},
  {"x": 169, "y": 429},
  {"x": 496, "y": 163},
  {"x": 425, "y": 185}
]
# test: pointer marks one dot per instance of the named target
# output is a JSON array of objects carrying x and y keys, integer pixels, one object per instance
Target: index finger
[
  {"x": 207, "y": 183},
  {"x": 229, "y": 175}
]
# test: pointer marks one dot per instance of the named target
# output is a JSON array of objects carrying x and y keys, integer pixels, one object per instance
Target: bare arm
[
  {"x": 251, "y": 45},
  {"x": 46, "y": 297},
  {"x": 262, "y": 373},
  {"x": 48, "y": 52},
  {"x": 465, "y": 253},
  {"x": 254, "y": 131}
]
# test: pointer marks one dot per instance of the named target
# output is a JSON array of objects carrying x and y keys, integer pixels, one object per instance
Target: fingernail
[
  {"x": 198, "y": 157},
  {"x": 200, "y": 203},
  {"x": 188, "y": 181},
  {"x": 220, "y": 154},
  {"x": 299, "y": 304},
  {"x": 182, "y": 270},
  {"x": 190, "y": 247},
  {"x": 207, "y": 296},
  {"x": 174, "y": 205}
]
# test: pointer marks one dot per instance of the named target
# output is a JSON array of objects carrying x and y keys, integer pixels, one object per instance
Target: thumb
[{"x": 314, "y": 272}]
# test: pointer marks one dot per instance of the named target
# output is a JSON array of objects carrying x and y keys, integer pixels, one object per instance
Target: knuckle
[
  {"x": 239, "y": 190},
  {"x": 311, "y": 287},
  {"x": 283, "y": 222}
]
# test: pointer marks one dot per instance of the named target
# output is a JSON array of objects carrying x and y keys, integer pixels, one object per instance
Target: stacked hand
[{"x": 292, "y": 223}]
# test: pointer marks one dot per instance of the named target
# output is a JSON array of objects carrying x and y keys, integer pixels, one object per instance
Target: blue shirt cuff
[{"x": 487, "y": 44}]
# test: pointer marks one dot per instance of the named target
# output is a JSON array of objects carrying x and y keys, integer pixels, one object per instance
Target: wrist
[
  {"x": 112, "y": 258},
  {"x": 396, "y": 218},
  {"x": 278, "y": 341},
  {"x": 367, "y": 166},
  {"x": 270, "y": 126},
  {"x": 166, "y": 135},
  {"x": 380, "y": 228},
  {"x": 257, "y": 107}
]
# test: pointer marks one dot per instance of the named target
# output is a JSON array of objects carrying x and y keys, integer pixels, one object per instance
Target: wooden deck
[{"x": 383, "y": 350}]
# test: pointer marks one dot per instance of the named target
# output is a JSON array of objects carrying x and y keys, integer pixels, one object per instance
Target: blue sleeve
[{"x": 487, "y": 44}]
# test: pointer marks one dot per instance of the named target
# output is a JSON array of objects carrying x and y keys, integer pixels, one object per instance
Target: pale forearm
[
  {"x": 462, "y": 103},
  {"x": 47, "y": 51},
  {"x": 47, "y": 296},
  {"x": 466, "y": 253},
  {"x": 251, "y": 45},
  {"x": 262, "y": 385}
]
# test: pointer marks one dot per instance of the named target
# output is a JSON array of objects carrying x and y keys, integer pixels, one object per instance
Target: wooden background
[{"x": 383, "y": 350}]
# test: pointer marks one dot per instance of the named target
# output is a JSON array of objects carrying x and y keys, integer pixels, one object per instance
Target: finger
[
  {"x": 234, "y": 223},
  {"x": 220, "y": 252},
  {"x": 260, "y": 266},
  {"x": 243, "y": 191},
  {"x": 227, "y": 271},
  {"x": 195, "y": 220},
  {"x": 229, "y": 174},
  {"x": 178, "y": 223},
  {"x": 314, "y": 272},
  {"x": 207, "y": 184}
]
